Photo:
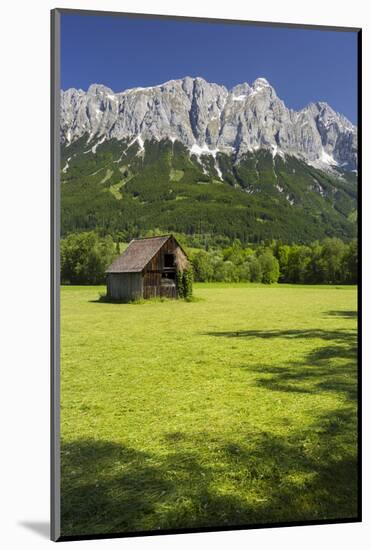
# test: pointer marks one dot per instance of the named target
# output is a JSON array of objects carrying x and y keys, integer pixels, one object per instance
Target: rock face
[{"x": 206, "y": 117}]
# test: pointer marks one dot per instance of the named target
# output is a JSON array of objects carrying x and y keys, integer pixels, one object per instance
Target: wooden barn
[{"x": 147, "y": 269}]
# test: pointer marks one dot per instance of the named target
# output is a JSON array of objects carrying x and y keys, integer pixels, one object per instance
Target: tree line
[
  {"x": 85, "y": 257},
  {"x": 331, "y": 261}
]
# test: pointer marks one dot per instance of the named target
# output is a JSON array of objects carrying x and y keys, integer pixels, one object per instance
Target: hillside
[{"x": 125, "y": 188}]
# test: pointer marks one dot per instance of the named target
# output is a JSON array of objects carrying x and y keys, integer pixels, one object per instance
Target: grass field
[{"x": 238, "y": 408}]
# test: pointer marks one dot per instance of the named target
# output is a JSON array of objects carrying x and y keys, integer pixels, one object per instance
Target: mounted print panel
[{"x": 205, "y": 198}]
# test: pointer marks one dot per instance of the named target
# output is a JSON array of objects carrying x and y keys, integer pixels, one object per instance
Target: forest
[{"x": 86, "y": 255}]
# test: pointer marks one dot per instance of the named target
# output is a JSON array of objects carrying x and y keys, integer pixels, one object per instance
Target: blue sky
[{"x": 302, "y": 65}]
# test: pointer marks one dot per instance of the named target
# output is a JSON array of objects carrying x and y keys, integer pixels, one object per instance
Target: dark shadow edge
[
  {"x": 130, "y": 534},
  {"x": 41, "y": 528}
]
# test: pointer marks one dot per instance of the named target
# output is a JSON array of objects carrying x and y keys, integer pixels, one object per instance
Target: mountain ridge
[{"x": 208, "y": 119}]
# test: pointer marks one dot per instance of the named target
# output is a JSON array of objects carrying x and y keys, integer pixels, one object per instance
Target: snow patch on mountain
[
  {"x": 203, "y": 150},
  {"x": 94, "y": 148},
  {"x": 328, "y": 159},
  {"x": 219, "y": 172},
  {"x": 241, "y": 97}
]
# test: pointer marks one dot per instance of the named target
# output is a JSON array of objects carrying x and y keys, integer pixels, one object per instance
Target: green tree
[
  {"x": 234, "y": 253},
  {"x": 297, "y": 264},
  {"x": 226, "y": 272},
  {"x": 314, "y": 268},
  {"x": 282, "y": 253},
  {"x": 244, "y": 273},
  {"x": 332, "y": 257},
  {"x": 350, "y": 263},
  {"x": 255, "y": 269},
  {"x": 202, "y": 266},
  {"x": 85, "y": 257},
  {"x": 270, "y": 268}
]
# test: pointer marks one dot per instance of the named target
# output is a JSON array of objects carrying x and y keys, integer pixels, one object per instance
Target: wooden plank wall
[
  {"x": 151, "y": 284},
  {"x": 125, "y": 286},
  {"x": 159, "y": 291}
]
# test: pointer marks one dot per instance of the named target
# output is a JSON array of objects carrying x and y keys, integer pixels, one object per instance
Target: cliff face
[{"x": 207, "y": 118}]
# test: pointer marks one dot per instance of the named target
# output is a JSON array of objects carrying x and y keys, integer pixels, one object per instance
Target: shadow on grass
[
  {"x": 104, "y": 299},
  {"x": 210, "y": 480},
  {"x": 342, "y": 313},
  {"x": 336, "y": 335},
  {"x": 328, "y": 368},
  {"x": 143, "y": 301},
  {"x": 259, "y": 478}
]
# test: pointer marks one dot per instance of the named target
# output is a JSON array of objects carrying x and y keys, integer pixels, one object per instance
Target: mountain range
[{"x": 243, "y": 146}]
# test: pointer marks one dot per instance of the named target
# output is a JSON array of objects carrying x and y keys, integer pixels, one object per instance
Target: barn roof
[{"x": 137, "y": 255}]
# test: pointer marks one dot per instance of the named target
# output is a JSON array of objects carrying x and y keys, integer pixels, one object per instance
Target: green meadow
[{"x": 237, "y": 408}]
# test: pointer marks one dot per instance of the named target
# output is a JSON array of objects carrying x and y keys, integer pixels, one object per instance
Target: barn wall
[
  {"x": 125, "y": 286},
  {"x": 153, "y": 287},
  {"x": 153, "y": 282}
]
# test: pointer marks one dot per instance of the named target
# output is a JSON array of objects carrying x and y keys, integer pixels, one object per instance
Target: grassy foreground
[{"x": 235, "y": 409}]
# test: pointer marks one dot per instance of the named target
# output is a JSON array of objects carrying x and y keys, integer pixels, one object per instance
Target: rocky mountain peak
[
  {"x": 207, "y": 116},
  {"x": 98, "y": 89},
  {"x": 260, "y": 83}
]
